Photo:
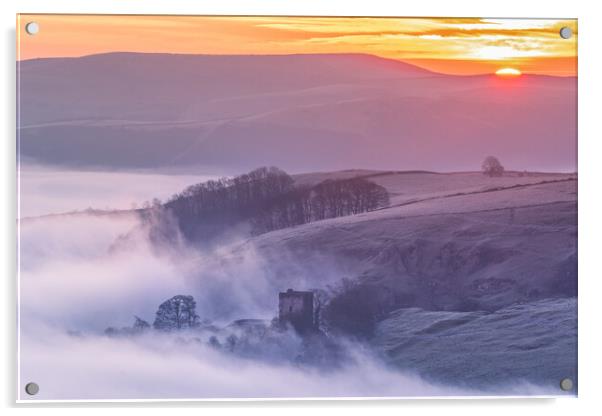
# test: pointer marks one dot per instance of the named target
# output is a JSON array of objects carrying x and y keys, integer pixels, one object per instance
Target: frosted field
[
  {"x": 404, "y": 187},
  {"x": 523, "y": 348}
]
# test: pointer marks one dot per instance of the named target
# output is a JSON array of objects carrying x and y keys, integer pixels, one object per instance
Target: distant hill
[
  {"x": 170, "y": 87},
  {"x": 299, "y": 112}
]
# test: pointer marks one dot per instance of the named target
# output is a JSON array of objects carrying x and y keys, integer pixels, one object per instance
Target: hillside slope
[{"x": 473, "y": 250}]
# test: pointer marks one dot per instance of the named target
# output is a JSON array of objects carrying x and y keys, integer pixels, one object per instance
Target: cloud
[{"x": 397, "y": 38}]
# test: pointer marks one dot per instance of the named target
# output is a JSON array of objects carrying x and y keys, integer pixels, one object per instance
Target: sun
[{"x": 508, "y": 72}]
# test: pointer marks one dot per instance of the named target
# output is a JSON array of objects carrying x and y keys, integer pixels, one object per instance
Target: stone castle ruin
[{"x": 297, "y": 309}]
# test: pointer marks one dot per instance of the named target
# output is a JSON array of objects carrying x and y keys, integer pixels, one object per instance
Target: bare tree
[
  {"x": 492, "y": 167},
  {"x": 176, "y": 313},
  {"x": 328, "y": 199},
  {"x": 321, "y": 298},
  {"x": 140, "y": 325}
]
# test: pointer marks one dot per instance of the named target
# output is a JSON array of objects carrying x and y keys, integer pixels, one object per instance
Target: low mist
[
  {"x": 74, "y": 285},
  {"x": 52, "y": 190},
  {"x": 68, "y": 367}
]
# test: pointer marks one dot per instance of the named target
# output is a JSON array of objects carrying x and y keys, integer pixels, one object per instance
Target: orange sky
[{"x": 450, "y": 45}]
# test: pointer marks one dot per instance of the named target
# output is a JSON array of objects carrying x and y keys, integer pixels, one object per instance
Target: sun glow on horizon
[
  {"x": 508, "y": 72},
  {"x": 458, "y": 46}
]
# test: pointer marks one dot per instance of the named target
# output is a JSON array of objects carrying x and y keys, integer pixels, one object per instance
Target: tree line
[
  {"x": 269, "y": 199},
  {"x": 328, "y": 199}
]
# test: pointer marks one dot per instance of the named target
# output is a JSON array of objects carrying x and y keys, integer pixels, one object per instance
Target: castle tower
[{"x": 296, "y": 308}]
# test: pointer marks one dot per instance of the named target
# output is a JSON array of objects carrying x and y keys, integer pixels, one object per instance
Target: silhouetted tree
[
  {"x": 328, "y": 199},
  {"x": 231, "y": 342},
  {"x": 214, "y": 342},
  {"x": 176, "y": 313},
  {"x": 492, "y": 167},
  {"x": 320, "y": 300},
  {"x": 140, "y": 325}
]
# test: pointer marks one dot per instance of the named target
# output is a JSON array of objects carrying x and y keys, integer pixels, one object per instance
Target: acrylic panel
[{"x": 233, "y": 207}]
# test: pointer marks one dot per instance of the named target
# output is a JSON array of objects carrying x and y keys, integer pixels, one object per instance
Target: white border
[{"x": 589, "y": 166}]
